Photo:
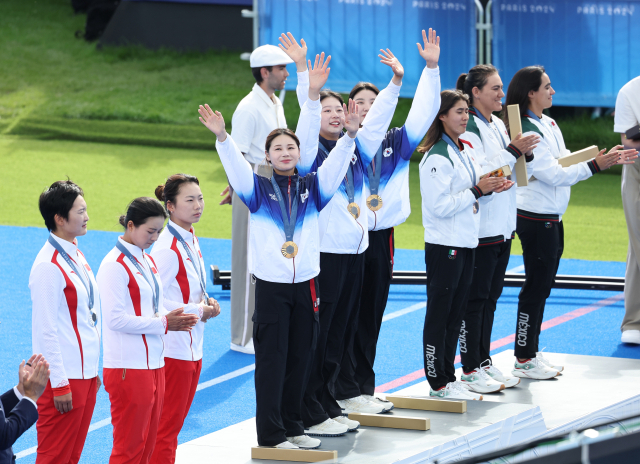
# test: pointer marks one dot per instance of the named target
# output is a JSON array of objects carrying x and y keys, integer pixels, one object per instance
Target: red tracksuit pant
[
  {"x": 61, "y": 436},
  {"x": 181, "y": 381},
  {"x": 136, "y": 396}
]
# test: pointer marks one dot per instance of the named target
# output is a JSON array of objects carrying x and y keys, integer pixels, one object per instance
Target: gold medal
[
  {"x": 354, "y": 210},
  {"x": 289, "y": 249},
  {"x": 374, "y": 202}
]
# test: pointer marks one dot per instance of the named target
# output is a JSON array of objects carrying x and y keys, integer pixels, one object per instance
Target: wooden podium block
[
  {"x": 515, "y": 128},
  {"x": 579, "y": 156},
  {"x": 391, "y": 422},
  {"x": 428, "y": 404},
  {"x": 295, "y": 455}
]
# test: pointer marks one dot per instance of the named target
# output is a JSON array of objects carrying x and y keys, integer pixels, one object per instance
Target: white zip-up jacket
[
  {"x": 491, "y": 143},
  {"x": 132, "y": 336},
  {"x": 181, "y": 285},
  {"x": 315, "y": 191},
  {"x": 340, "y": 232},
  {"x": 547, "y": 196},
  {"x": 61, "y": 322},
  {"x": 448, "y": 195}
]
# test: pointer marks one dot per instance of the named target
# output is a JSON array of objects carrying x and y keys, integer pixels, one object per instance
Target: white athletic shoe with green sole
[
  {"x": 533, "y": 369},
  {"x": 497, "y": 375},
  {"x": 547, "y": 363},
  {"x": 454, "y": 391}
]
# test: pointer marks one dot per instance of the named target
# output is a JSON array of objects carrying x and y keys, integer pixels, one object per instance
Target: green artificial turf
[{"x": 112, "y": 175}]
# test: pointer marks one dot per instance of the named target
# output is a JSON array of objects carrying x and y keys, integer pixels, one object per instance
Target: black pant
[
  {"x": 285, "y": 334},
  {"x": 356, "y": 372},
  {"x": 488, "y": 280},
  {"x": 341, "y": 282},
  {"x": 449, "y": 275},
  {"x": 542, "y": 247}
]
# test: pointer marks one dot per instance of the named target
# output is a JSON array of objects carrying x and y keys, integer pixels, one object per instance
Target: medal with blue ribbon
[
  {"x": 374, "y": 201},
  {"x": 198, "y": 268},
  {"x": 352, "y": 207},
  {"x": 470, "y": 170},
  {"x": 289, "y": 247}
]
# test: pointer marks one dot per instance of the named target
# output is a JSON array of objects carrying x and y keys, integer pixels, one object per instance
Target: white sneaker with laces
[
  {"x": 287, "y": 445},
  {"x": 630, "y": 336},
  {"x": 479, "y": 381},
  {"x": 304, "y": 442},
  {"x": 247, "y": 349},
  {"x": 454, "y": 391},
  {"x": 359, "y": 404},
  {"x": 497, "y": 375},
  {"x": 546, "y": 362},
  {"x": 533, "y": 368},
  {"x": 387, "y": 405},
  {"x": 351, "y": 424},
  {"x": 328, "y": 428}
]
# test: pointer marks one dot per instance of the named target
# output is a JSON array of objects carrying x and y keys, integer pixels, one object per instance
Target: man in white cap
[{"x": 256, "y": 116}]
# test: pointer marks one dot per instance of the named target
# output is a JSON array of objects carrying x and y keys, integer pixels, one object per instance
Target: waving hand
[{"x": 431, "y": 50}]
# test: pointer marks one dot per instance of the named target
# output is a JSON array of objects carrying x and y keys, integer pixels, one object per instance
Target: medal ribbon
[
  {"x": 349, "y": 177},
  {"x": 88, "y": 286},
  {"x": 199, "y": 270},
  {"x": 288, "y": 222},
  {"x": 156, "y": 293},
  {"x": 374, "y": 177},
  {"x": 471, "y": 171},
  {"x": 474, "y": 111},
  {"x": 533, "y": 116}
]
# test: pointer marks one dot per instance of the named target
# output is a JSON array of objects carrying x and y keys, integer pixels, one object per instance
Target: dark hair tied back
[
  {"x": 360, "y": 86},
  {"x": 331, "y": 94},
  {"x": 140, "y": 210},
  {"x": 448, "y": 99},
  {"x": 168, "y": 191},
  {"x": 477, "y": 77},
  {"x": 523, "y": 82}
]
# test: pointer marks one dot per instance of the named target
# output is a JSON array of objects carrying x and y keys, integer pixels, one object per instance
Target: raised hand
[
  {"x": 213, "y": 121},
  {"x": 35, "y": 382},
  {"x": 351, "y": 118},
  {"x": 298, "y": 53},
  {"x": 431, "y": 50},
  {"x": 27, "y": 368},
  {"x": 318, "y": 75},
  {"x": 390, "y": 60}
]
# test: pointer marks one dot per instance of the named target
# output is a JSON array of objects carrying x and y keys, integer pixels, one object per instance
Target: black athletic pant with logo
[
  {"x": 542, "y": 247},
  {"x": 449, "y": 275},
  {"x": 285, "y": 334},
  {"x": 356, "y": 372},
  {"x": 341, "y": 283},
  {"x": 486, "y": 287}
]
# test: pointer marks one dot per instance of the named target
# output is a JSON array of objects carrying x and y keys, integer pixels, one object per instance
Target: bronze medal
[
  {"x": 289, "y": 249},
  {"x": 354, "y": 210},
  {"x": 476, "y": 207},
  {"x": 374, "y": 202}
]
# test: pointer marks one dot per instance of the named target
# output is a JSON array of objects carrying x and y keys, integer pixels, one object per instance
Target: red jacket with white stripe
[
  {"x": 61, "y": 323},
  {"x": 182, "y": 287},
  {"x": 132, "y": 335}
]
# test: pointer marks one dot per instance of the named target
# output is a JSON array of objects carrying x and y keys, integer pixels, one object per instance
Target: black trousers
[
  {"x": 486, "y": 287},
  {"x": 542, "y": 247},
  {"x": 341, "y": 282},
  {"x": 449, "y": 275},
  {"x": 285, "y": 333},
  {"x": 356, "y": 371}
]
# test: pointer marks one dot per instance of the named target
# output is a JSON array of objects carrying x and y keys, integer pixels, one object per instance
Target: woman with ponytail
[
  {"x": 183, "y": 274},
  {"x": 136, "y": 320},
  {"x": 541, "y": 205},
  {"x": 453, "y": 197},
  {"x": 494, "y": 149}
]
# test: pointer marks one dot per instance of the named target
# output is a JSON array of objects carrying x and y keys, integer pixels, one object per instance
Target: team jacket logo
[
  {"x": 354, "y": 159},
  {"x": 273, "y": 196},
  {"x": 453, "y": 254},
  {"x": 387, "y": 152},
  {"x": 523, "y": 325},
  {"x": 463, "y": 338},
  {"x": 430, "y": 355},
  {"x": 304, "y": 196}
]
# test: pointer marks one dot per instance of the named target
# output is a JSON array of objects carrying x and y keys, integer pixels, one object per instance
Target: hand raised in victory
[
  {"x": 297, "y": 52},
  {"x": 390, "y": 60},
  {"x": 351, "y": 119},
  {"x": 213, "y": 121},
  {"x": 431, "y": 50},
  {"x": 318, "y": 75}
]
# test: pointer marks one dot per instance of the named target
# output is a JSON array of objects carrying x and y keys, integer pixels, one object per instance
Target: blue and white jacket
[
  {"x": 340, "y": 232},
  {"x": 315, "y": 192}
]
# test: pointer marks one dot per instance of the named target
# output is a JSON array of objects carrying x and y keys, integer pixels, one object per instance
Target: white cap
[{"x": 268, "y": 55}]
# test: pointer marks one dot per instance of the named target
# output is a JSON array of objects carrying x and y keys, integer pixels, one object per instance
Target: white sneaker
[
  {"x": 328, "y": 428},
  {"x": 454, "y": 391},
  {"x": 497, "y": 375},
  {"x": 287, "y": 445},
  {"x": 388, "y": 405},
  {"x": 479, "y": 381},
  {"x": 247, "y": 349},
  {"x": 546, "y": 362},
  {"x": 304, "y": 442},
  {"x": 351, "y": 424},
  {"x": 631, "y": 336},
  {"x": 359, "y": 404},
  {"x": 533, "y": 369},
  {"x": 463, "y": 385}
]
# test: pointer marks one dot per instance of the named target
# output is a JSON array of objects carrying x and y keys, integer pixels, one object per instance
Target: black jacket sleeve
[{"x": 16, "y": 417}]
